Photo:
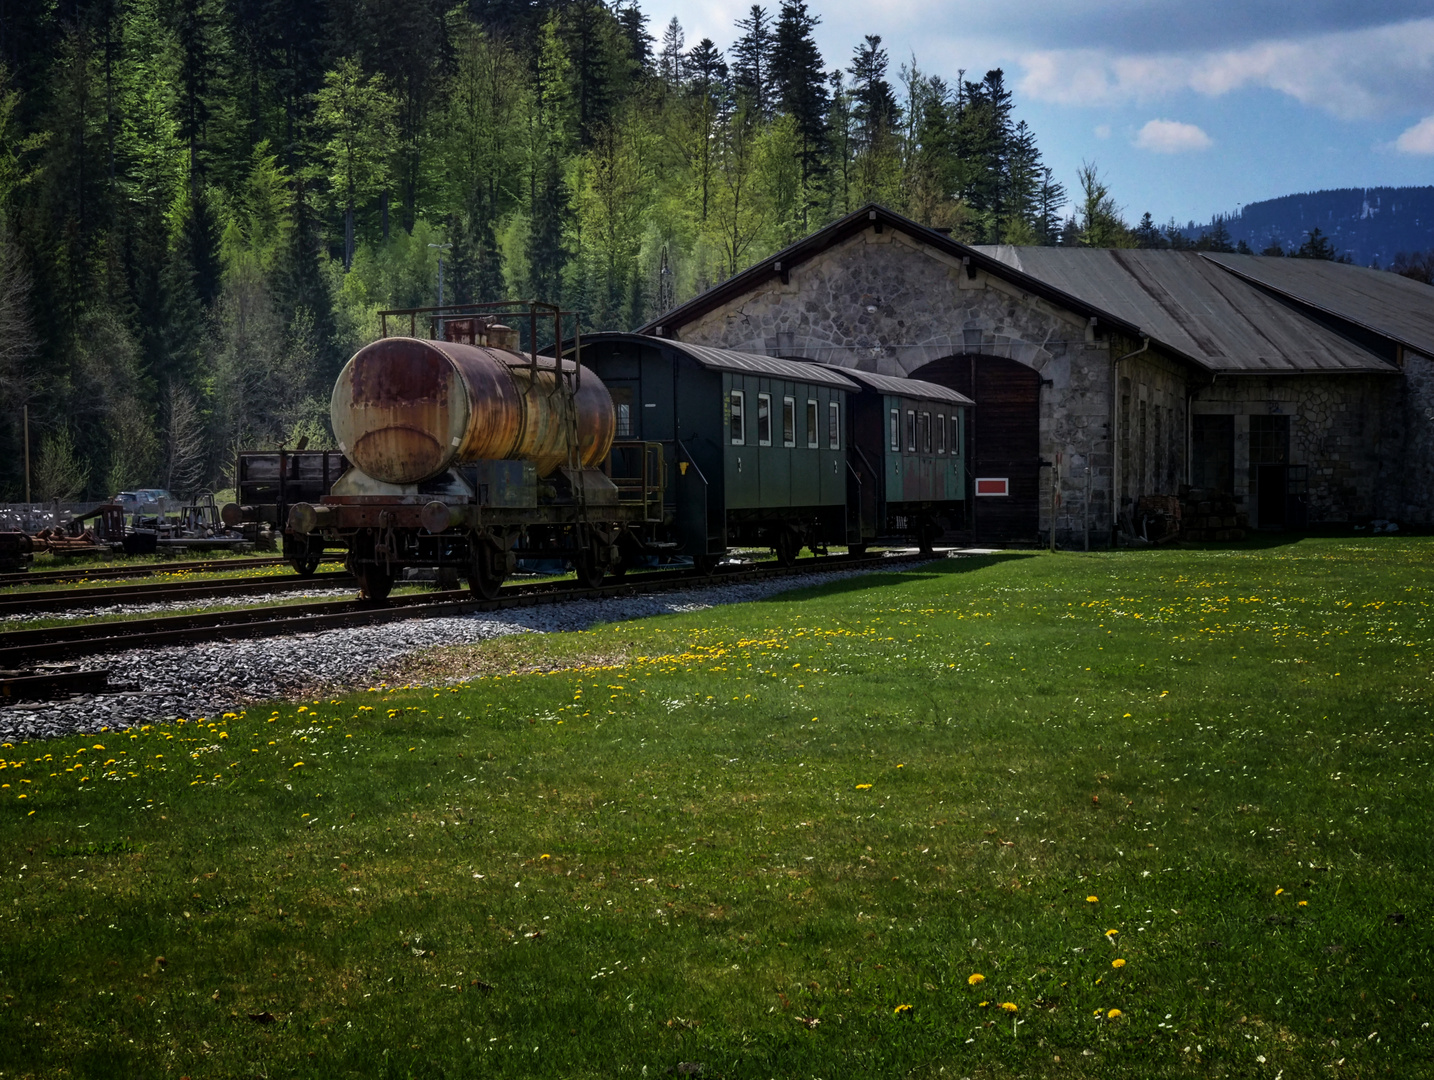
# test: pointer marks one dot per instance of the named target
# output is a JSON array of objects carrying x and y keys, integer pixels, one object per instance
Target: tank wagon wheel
[
  {"x": 305, "y": 565},
  {"x": 374, "y": 582},
  {"x": 486, "y": 574},
  {"x": 589, "y": 569}
]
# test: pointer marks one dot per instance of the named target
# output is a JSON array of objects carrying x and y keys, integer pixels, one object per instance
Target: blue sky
[{"x": 1188, "y": 107}]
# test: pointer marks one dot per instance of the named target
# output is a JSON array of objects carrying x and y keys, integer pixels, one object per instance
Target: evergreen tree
[
  {"x": 801, "y": 90},
  {"x": 1052, "y": 198},
  {"x": 752, "y": 61},
  {"x": 670, "y": 61},
  {"x": 1101, "y": 225},
  {"x": 1147, "y": 233},
  {"x": 1316, "y": 246}
]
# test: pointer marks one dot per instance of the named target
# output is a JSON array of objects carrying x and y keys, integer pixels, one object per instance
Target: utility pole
[{"x": 27, "y": 455}]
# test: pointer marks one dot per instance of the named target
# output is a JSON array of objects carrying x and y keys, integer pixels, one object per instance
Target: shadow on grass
[{"x": 938, "y": 567}]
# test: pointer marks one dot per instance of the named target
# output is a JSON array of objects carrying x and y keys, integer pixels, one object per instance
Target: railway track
[
  {"x": 111, "y": 573},
  {"x": 28, "y": 648},
  {"x": 105, "y": 595}
]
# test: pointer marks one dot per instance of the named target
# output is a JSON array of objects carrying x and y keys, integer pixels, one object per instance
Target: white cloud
[
  {"x": 1349, "y": 74},
  {"x": 1102, "y": 131},
  {"x": 1171, "y": 137},
  {"x": 1419, "y": 139}
]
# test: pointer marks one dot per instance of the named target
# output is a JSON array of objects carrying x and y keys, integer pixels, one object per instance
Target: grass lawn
[{"x": 1137, "y": 814}]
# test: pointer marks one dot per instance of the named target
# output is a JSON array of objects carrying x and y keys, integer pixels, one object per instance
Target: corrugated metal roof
[
  {"x": 728, "y": 360},
  {"x": 1194, "y": 307},
  {"x": 912, "y": 388},
  {"x": 1386, "y": 303}
]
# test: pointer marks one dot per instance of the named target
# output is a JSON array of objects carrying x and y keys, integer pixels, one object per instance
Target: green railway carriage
[
  {"x": 908, "y": 461},
  {"x": 755, "y": 447}
]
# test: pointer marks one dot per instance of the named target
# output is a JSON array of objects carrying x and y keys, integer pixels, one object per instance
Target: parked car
[{"x": 143, "y": 500}]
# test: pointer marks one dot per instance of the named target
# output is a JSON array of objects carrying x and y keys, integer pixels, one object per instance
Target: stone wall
[
  {"x": 1345, "y": 428},
  {"x": 1414, "y": 502}
]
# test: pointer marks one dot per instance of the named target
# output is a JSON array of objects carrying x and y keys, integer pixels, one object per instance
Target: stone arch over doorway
[{"x": 1003, "y": 441}]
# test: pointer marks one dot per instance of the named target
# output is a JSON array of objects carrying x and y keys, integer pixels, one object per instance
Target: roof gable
[{"x": 878, "y": 218}]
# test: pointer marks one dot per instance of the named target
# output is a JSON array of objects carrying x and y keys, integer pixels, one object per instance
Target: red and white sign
[{"x": 993, "y": 485}]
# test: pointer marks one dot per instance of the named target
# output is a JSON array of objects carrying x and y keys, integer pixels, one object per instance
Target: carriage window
[
  {"x": 738, "y": 422},
  {"x": 896, "y": 429},
  {"x": 834, "y": 426},
  {"x": 940, "y": 433},
  {"x": 926, "y": 433},
  {"x": 813, "y": 428},
  {"x": 911, "y": 430},
  {"x": 764, "y": 419},
  {"x": 622, "y": 410},
  {"x": 955, "y": 436},
  {"x": 789, "y": 421}
]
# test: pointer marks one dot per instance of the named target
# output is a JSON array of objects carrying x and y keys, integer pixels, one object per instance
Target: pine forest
[{"x": 205, "y": 203}]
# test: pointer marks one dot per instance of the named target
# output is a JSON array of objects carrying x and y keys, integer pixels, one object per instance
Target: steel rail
[
  {"x": 102, "y": 573},
  {"x": 25, "y": 648},
  {"x": 104, "y": 595}
]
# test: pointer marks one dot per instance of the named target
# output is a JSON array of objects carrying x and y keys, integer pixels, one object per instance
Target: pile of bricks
[{"x": 1207, "y": 514}]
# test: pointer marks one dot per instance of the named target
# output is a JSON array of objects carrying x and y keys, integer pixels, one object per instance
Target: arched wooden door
[{"x": 1003, "y": 442}]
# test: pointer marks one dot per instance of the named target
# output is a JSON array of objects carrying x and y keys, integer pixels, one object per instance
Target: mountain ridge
[{"x": 1369, "y": 225}]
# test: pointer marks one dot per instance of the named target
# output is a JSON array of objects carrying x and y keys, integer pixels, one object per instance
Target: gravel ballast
[{"x": 212, "y": 678}]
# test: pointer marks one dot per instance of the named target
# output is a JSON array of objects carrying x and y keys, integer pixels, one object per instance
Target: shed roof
[
  {"x": 1388, "y": 304},
  {"x": 745, "y": 363},
  {"x": 912, "y": 388},
  {"x": 1194, "y": 307}
]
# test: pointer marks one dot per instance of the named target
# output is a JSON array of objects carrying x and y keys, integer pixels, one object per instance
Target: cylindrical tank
[{"x": 405, "y": 409}]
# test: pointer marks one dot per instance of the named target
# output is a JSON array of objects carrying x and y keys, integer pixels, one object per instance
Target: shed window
[
  {"x": 814, "y": 431},
  {"x": 941, "y": 433},
  {"x": 896, "y": 430},
  {"x": 764, "y": 419},
  {"x": 738, "y": 422},
  {"x": 911, "y": 430},
  {"x": 834, "y": 426},
  {"x": 789, "y": 421}
]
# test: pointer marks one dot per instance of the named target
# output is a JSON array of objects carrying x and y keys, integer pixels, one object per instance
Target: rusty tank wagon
[{"x": 467, "y": 451}]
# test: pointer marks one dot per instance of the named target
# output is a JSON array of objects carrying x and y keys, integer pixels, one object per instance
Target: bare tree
[{"x": 184, "y": 441}]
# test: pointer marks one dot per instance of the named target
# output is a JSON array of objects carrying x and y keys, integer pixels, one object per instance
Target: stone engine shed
[{"x": 1302, "y": 391}]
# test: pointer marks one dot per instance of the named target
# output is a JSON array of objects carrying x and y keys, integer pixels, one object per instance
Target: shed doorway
[{"x": 1003, "y": 440}]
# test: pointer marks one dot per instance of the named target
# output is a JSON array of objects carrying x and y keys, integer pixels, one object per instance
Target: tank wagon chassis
[{"x": 466, "y": 453}]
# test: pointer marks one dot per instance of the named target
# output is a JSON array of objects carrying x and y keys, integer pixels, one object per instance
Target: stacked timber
[{"x": 1208, "y": 514}]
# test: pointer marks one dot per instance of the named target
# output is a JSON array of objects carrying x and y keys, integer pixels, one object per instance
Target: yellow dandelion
[
  {"x": 901, "y": 1010},
  {"x": 1117, "y": 963},
  {"x": 862, "y": 787},
  {"x": 1114, "y": 1014},
  {"x": 1111, "y": 933},
  {"x": 1092, "y": 899},
  {"x": 541, "y": 857},
  {"x": 1304, "y": 903},
  {"x": 1009, "y": 1006},
  {"x": 972, "y": 980},
  {"x": 1279, "y": 891},
  {"x": 983, "y": 1004}
]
